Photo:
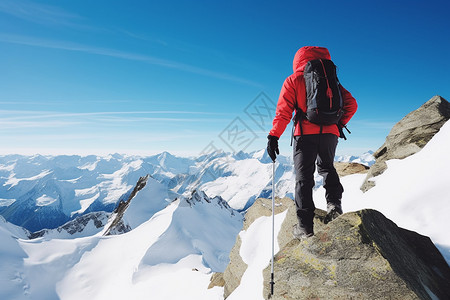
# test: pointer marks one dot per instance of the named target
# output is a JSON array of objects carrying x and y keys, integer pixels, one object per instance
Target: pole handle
[{"x": 272, "y": 283}]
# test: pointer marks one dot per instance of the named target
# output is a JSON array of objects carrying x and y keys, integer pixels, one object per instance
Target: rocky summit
[
  {"x": 359, "y": 255},
  {"x": 409, "y": 135}
]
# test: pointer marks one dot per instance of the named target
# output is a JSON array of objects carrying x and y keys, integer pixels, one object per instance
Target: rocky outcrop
[
  {"x": 117, "y": 225},
  {"x": 262, "y": 207},
  {"x": 216, "y": 280},
  {"x": 360, "y": 255},
  {"x": 349, "y": 168},
  {"x": 98, "y": 219},
  {"x": 409, "y": 135}
]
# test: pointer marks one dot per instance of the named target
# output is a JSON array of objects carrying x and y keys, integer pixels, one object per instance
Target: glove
[{"x": 272, "y": 147}]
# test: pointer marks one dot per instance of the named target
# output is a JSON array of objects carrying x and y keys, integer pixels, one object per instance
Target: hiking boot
[
  {"x": 301, "y": 233},
  {"x": 333, "y": 211}
]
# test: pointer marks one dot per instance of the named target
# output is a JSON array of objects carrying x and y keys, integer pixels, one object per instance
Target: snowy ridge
[
  {"x": 82, "y": 226},
  {"x": 366, "y": 159},
  {"x": 183, "y": 242}
]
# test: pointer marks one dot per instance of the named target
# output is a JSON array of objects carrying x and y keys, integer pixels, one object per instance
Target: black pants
[{"x": 308, "y": 149}]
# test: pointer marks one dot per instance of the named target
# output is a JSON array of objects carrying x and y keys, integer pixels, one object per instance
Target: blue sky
[{"x": 142, "y": 77}]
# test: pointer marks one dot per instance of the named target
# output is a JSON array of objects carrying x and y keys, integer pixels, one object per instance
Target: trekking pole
[{"x": 273, "y": 227}]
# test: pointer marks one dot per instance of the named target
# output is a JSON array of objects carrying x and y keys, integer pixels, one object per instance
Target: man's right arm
[{"x": 350, "y": 105}]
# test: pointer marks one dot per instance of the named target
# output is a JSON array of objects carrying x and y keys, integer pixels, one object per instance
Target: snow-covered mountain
[
  {"x": 183, "y": 223},
  {"x": 364, "y": 159},
  {"x": 45, "y": 192},
  {"x": 180, "y": 244}
]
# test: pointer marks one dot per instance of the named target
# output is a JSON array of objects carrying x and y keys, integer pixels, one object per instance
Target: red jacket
[{"x": 293, "y": 90}]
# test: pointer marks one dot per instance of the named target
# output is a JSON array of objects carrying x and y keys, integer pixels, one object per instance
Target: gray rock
[
  {"x": 360, "y": 255},
  {"x": 262, "y": 207},
  {"x": 349, "y": 168},
  {"x": 409, "y": 135}
]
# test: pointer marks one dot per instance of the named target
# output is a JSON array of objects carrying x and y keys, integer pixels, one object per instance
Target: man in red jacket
[{"x": 311, "y": 143}]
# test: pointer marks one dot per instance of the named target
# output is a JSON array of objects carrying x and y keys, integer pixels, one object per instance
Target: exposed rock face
[
  {"x": 262, "y": 207},
  {"x": 77, "y": 225},
  {"x": 360, "y": 255},
  {"x": 216, "y": 280},
  {"x": 117, "y": 226},
  {"x": 410, "y": 135}
]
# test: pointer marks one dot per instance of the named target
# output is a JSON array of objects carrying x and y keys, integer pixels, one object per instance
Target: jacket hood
[{"x": 308, "y": 53}]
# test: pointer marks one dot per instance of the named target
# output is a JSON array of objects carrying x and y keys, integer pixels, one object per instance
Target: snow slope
[
  {"x": 151, "y": 199},
  {"x": 169, "y": 256}
]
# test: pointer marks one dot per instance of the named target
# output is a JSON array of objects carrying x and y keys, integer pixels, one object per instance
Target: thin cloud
[
  {"x": 17, "y": 114},
  {"x": 32, "y": 11},
  {"x": 50, "y": 102},
  {"x": 143, "y": 37},
  {"x": 28, "y": 119},
  {"x": 42, "y": 14},
  {"x": 53, "y": 44},
  {"x": 28, "y": 124}
]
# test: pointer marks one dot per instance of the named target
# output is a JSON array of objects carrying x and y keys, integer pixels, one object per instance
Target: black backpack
[
  {"x": 323, "y": 95},
  {"x": 324, "y": 104}
]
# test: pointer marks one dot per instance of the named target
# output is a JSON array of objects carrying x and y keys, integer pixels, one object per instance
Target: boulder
[
  {"x": 409, "y": 135},
  {"x": 360, "y": 255},
  {"x": 349, "y": 168}
]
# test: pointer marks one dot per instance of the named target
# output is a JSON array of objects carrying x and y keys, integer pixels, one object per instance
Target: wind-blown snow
[
  {"x": 13, "y": 181},
  {"x": 6, "y": 202},
  {"x": 12, "y": 285},
  {"x": 45, "y": 200},
  {"x": 85, "y": 203}
]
